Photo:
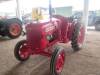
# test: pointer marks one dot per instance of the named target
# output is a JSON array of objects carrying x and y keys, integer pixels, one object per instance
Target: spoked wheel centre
[
  {"x": 23, "y": 52},
  {"x": 15, "y": 29},
  {"x": 60, "y": 62}
]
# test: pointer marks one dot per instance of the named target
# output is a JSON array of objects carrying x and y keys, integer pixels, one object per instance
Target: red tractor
[{"x": 42, "y": 37}]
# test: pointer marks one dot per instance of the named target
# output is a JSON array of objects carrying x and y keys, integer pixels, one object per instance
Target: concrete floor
[{"x": 84, "y": 62}]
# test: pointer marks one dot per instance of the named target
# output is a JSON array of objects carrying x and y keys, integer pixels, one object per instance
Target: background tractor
[{"x": 10, "y": 27}]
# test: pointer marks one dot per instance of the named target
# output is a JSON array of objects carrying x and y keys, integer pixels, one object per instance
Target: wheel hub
[
  {"x": 23, "y": 52},
  {"x": 15, "y": 29},
  {"x": 60, "y": 62}
]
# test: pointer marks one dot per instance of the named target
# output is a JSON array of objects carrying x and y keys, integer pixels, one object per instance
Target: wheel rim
[
  {"x": 81, "y": 35},
  {"x": 23, "y": 51},
  {"x": 15, "y": 29},
  {"x": 60, "y": 62}
]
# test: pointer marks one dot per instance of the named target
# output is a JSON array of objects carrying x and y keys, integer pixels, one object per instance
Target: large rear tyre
[
  {"x": 14, "y": 29},
  {"x": 57, "y": 61},
  {"x": 21, "y": 51},
  {"x": 78, "y": 37}
]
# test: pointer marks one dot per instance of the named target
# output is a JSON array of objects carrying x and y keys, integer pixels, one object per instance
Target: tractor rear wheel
[
  {"x": 78, "y": 37},
  {"x": 14, "y": 28},
  {"x": 57, "y": 61}
]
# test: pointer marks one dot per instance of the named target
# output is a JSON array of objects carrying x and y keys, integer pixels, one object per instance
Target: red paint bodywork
[{"x": 60, "y": 28}]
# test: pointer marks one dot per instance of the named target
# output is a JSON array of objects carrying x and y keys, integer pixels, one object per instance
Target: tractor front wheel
[
  {"x": 57, "y": 61},
  {"x": 21, "y": 51}
]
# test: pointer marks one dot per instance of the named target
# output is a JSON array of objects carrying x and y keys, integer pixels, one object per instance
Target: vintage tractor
[
  {"x": 10, "y": 27},
  {"x": 42, "y": 38}
]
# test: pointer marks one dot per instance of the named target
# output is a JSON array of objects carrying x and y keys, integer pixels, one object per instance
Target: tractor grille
[{"x": 34, "y": 35}]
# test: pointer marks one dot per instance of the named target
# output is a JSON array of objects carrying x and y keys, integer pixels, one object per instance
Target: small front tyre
[
  {"x": 21, "y": 51},
  {"x": 57, "y": 61}
]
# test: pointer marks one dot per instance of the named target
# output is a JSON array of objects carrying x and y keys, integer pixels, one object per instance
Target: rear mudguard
[{"x": 67, "y": 27}]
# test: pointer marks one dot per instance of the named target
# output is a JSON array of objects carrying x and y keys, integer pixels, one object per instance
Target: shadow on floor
[
  {"x": 43, "y": 69},
  {"x": 14, "y": 70},
  {"x": 27, "y": 68},
  {"x": 21, "y": 69},
  {"x": 4, "y": 39}
]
